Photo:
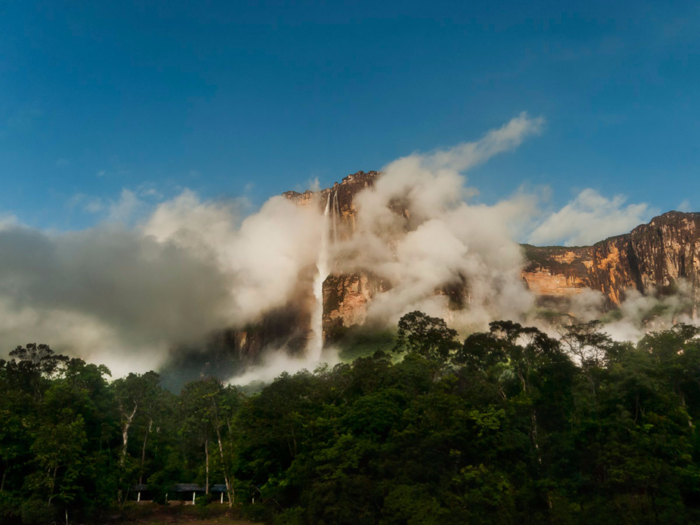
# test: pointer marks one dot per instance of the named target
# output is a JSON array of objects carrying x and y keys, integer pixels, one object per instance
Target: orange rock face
[
  {"x": 346, "y": 299},
  {"x": 653, "y": 257},
  {"x": 543, "y": 282}
]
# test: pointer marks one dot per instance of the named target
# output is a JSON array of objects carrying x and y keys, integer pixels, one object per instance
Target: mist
[
  {"x": 127, "y": 297},
  {"x": 442, "y": 239},
  {"x": 131, "y": 296}
]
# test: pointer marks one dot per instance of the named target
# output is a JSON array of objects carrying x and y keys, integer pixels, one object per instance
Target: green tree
[
  {"x": 36, "y": 365},
  {"x": 429, "y": 337},
  {"x": 133, "y": 393},
  {"x": 208, "y": 410},
  {"x": 58, "y": 451}
]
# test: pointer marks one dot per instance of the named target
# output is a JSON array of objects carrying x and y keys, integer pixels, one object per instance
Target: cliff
[
  {"x": 652, "y": 258},
  {"x": 342, "y": 195},
  {"x": 347, "y": 296}
]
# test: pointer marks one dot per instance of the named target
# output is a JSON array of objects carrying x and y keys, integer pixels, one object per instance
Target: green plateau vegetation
[{"x": 508, "y": 426}]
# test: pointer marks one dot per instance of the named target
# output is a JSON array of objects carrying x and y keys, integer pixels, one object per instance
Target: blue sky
[{"x": 255, "y": 98}]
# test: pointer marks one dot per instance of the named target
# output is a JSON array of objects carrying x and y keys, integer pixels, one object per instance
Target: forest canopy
[{"x": 507, "y": 426}]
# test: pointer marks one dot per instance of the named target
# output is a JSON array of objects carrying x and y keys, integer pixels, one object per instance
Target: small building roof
[{"x": 187, "y": 487}]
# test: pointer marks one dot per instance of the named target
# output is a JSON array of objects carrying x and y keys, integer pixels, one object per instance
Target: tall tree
[{"x": 132, "y": 393}]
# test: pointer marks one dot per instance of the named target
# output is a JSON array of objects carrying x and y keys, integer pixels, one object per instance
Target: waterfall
[
  {"x": 323, "y": 269},
  {"x": 335, "y": 211},
  {"x": 333, "y": 217}
]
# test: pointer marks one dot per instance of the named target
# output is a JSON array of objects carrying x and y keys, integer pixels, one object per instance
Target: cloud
[
  {"x": 132, "y": 204},
  {"x": 127, "y": 295},
  {"x": 469, "y": 154},
  {"x": 108, "y": 294},
  {"x": 125, "y": 208},
  {"x": 94, "y": 205},
  {"x": 88, "y": 203},
  {"x": 277, "y": 361},
  {"x": 313, "y": 184},
  {"x": 150, "y": 192},
  {"x": 158, "y": 274},
  {"x": 7, "y": 221},
  {"x": 266, "y": 252},
  {"x": 643, "y": 313},
  {"x": 439, "y": 240},
  {"x": 590, "y": 218}
]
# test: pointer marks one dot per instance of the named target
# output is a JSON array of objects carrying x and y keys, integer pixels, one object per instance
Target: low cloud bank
[
  {"x": 441, "y": 239},
  {"x": 127, "y": 296},
  {"x": 589, "y": 218}
]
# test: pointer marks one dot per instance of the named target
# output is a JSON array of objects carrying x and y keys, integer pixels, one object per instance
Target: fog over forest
[{"x": 152, "y": 280}]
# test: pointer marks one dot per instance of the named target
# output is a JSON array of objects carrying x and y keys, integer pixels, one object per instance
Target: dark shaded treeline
[{"x": 510, "y": 426}]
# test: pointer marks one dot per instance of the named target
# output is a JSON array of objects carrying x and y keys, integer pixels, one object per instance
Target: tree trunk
[
  {"x": 143, "y": 450},
  {"x": 535, "y": 442},
  {"x": 2, "y": 483},
  {"x": 229, "y": 487},
  {"x": 125, "y": 434},
  {"x": 125, "y": 441},
  {"x": 533, "y": 430},
  {"x": 206, "y": 467},
  {"x": 53, "y": 484}
]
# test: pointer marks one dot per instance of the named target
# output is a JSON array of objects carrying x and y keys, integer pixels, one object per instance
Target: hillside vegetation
[{"x": 509, "y": 426}]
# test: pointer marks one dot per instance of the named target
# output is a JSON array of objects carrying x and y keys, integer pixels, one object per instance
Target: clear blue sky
[{"x": 231, "y": 98}]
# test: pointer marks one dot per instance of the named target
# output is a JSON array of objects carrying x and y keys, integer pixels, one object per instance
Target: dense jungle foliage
[{"x": 509, "y": 426}]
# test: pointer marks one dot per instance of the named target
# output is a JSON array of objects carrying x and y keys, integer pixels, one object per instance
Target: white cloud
[
  {"x": 313, "y": 184},
  {"x": 127, "y": 295},
  {"x": 94, "y": 205},
  {"x": 441, "y": 240},
  {"x": 275, "y": 362},
  {"x": 125, "y": 209},
  {"x": 88, "y": 203},
  {"x": 590, "y": 218},
  {"x": 7, "y": 221},
  {"x": 131, "y": 205},
  {"x": 469, "y": 154}
]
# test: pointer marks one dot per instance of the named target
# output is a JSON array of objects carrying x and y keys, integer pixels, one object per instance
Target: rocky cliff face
[
  {"x": 653, "y": 258},
  {"x": 345, "y": 296},
  {"x": 341, "y": 197}
]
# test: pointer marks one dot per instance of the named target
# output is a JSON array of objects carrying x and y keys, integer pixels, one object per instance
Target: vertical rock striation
[{"x": 652, "y": 258}]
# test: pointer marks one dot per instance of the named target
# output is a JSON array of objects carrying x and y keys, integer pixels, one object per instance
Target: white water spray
[
  {"x": 315, "y": 346},
  {"x": 336, "y": 215}
]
